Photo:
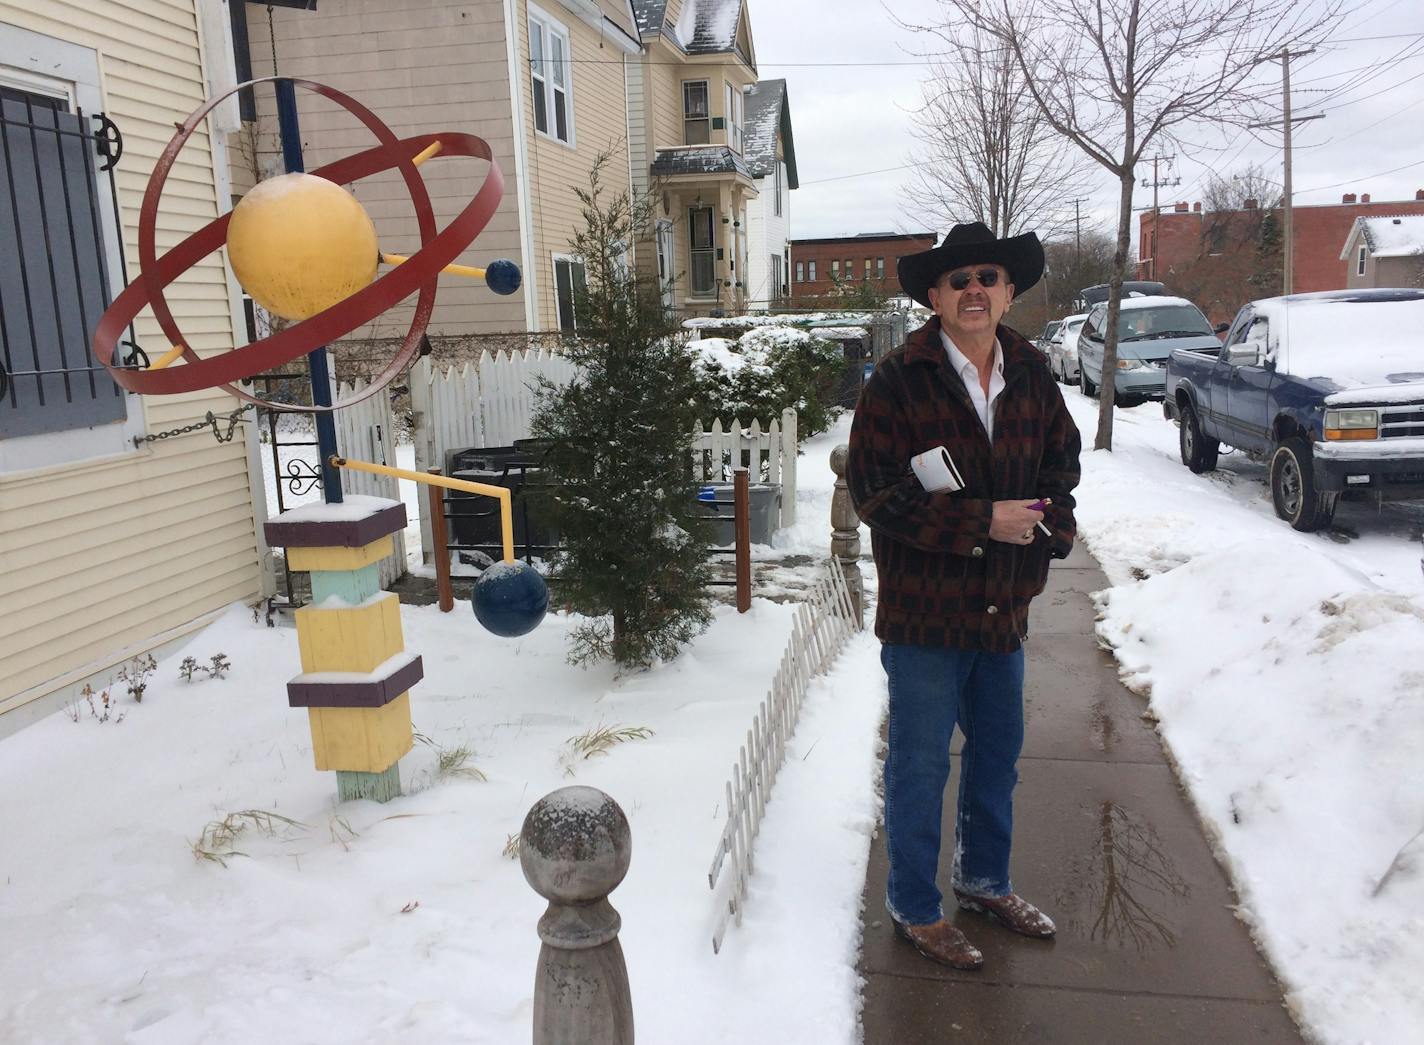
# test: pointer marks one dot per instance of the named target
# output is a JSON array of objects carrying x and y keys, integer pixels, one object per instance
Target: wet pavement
[{"x": 1148, "y": 948}]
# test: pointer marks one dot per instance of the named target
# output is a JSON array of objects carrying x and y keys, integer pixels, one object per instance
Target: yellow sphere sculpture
[{"x": 299, "y": 244}]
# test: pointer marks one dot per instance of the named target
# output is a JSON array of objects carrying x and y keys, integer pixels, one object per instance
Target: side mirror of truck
[
  {"x": 1221, "y": 328},
  {"x": 1248, "y": 353}
]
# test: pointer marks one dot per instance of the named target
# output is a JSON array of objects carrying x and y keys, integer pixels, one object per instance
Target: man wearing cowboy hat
[{"x": 958, "y": 570}]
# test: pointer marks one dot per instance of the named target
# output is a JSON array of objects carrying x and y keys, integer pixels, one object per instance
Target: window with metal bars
[{"x": 54, "y": 281}]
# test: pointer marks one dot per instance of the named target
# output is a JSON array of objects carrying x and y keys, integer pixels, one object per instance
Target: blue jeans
[{"x": 931, "y": 690}]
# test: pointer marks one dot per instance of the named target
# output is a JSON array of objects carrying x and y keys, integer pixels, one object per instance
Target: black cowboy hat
[{"x": 972, "y": 244}]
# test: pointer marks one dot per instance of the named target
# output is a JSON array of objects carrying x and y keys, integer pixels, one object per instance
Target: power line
[
  {"x": 1363, "y": 177},
  {"x": 864, "y": 174}
]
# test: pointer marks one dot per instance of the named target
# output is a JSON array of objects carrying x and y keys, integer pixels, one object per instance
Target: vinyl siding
[
  {"x": 555, "y": 169},
  {"x": 420, "y": 66},
  {"x": 100, "y": 555}
]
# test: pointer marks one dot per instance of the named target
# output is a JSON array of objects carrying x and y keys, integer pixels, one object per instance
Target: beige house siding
[
  {"x": 600, "y": 125},
  {"x": 421, "y": 66},
  {"x": 104, "y": 555}
]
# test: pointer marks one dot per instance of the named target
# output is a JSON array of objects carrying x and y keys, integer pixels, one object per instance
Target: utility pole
[
  {"x": 1287, "y": 204},
  {"x": 1157, "y": 183},
  {"x": 1078, "y": 230}
]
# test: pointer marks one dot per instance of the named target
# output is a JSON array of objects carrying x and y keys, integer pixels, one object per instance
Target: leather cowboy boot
[
  {"x": 1012, "y": 910},
  {"x": 941, "y": 942}
]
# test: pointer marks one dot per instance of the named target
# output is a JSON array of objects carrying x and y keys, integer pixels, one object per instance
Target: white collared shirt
[{"x": 969, "y": 374}]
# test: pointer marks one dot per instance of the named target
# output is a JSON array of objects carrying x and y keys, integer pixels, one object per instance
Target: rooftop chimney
[
  {"x": 1251, "y": 204},
  {"x": 1180, "y": 208},
  {"x": 1349, "y": 197},
  {"x": 1365, "y": 198},
  {"x": 1196, "y": 207}
]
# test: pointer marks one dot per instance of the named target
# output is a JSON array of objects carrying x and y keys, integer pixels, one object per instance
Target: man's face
[{"x": 976, "y": 309}]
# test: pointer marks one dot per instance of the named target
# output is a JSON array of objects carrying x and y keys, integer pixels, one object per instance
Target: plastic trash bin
[{"x": 717, "y": 503}]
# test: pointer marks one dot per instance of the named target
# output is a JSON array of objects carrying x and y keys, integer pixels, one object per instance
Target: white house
[{"x": 771, "y": 158}]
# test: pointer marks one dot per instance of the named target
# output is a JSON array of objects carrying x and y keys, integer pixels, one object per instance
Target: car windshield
[
  {"x": 1145, "y": 324},
  {"x": 1356, "y": 343},
  {"x": 1074, "y": 324}
]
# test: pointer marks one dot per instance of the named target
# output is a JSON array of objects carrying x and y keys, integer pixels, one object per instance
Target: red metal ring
[{"x": 419, "y": 273}]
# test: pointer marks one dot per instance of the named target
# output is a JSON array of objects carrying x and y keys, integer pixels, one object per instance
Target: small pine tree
[{"x": 634, "y": 552}]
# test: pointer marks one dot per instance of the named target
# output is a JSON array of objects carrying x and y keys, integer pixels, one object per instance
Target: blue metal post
[{"x": 291, "y": 136}]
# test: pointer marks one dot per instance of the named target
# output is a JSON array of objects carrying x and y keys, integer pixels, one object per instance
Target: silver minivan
[{"x": 1149, "y": 330}]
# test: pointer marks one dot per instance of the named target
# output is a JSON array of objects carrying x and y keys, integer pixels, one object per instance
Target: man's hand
[{"x": 1014, "y": 522}]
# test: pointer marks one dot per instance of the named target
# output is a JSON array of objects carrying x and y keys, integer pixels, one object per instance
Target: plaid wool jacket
[{"x": 943, "y": 582}]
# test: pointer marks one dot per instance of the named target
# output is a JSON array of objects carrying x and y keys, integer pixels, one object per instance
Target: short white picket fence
[
  {"x": 366, "y": 432},
  {"x": 769, "y": 455},
  {"x": 822, "y": 625}
]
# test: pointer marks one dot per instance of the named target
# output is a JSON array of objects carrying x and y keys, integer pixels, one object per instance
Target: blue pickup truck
[{"x": 1328, "y": 388}]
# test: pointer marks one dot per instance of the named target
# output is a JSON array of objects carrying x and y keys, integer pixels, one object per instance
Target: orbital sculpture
[{"x": 305, "y": 249}]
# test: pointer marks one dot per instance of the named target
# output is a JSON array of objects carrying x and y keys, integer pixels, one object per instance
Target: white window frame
[
  {"x": 571, "y": 260},
  {"x": 800, "y": 272},
  {"x": 667, "y": 260},
  {"x": 71, "y": 73},
  {"x": 777, "y": 197},
  {"x": 705, "y": 119},
  {"x": 811, "y": 271},
  {"x": 545, "y": 72},
  {"x": 732, "y": 114},
  {"x": 1360, "y": 260}
]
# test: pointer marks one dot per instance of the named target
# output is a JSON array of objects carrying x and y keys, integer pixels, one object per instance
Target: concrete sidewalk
[{"x": 1148, "y": 949}]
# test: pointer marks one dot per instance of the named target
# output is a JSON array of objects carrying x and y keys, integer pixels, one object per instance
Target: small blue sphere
[
  {"x": 511, "y": 599},
  {"x": 502, "y": 276}
]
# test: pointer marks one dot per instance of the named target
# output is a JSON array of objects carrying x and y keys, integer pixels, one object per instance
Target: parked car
[
  {"x": 1063, "y": 349},
  {"x": 1149, "y": 329},
  {"x": 1046, "y": 338},
  {"x": 1130, "y": 288},
  {"x": 1329, "y": 388}
]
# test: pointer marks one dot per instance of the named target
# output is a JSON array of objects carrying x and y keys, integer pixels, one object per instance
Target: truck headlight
[{"x": 1351, "y": 424}]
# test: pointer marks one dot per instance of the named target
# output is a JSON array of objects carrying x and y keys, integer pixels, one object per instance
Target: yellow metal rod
[
  {"x": 433, "y": 149},
  {"x": 454, "y": 270},
  {"x": 506, "y": 512},
  {"x": 167, "y": 358}
]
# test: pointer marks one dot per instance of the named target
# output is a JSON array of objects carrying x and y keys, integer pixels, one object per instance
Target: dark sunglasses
[{"x": 985, "y": 277}]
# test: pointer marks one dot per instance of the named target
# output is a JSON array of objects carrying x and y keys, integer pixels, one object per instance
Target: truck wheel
[
  {"x": 1087, "y": 387},
  {"x": 1293, "y": 491},
  {"x": 1198, "y": 452}
]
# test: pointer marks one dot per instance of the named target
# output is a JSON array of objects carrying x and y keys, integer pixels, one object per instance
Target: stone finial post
[
  {"x": 574, "y": 849},
  {"x": 845, "y": 531}
]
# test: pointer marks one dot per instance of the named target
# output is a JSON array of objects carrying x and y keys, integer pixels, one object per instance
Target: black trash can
[{"x": 474, "y": 519}]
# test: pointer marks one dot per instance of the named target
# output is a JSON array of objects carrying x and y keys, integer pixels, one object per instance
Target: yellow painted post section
[
  {"x": 361, "y": 740},
  {"x": 358, "y": 638},
  {"x": 307, "y": 559}
]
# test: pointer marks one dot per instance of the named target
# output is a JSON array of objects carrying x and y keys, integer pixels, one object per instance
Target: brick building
[
  {"x": 818, "y": 264},
  {"x": 1213, "y": 256}
]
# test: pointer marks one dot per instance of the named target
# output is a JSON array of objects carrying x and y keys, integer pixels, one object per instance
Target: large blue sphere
[
  {"x": 511, "y": 599},
  {"x": 502, "y": 276}
]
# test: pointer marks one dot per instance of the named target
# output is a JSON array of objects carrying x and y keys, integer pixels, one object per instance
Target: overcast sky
[{"x": 854, "y": 118}]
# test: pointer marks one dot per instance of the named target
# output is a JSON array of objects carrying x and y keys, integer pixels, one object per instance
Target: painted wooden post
[
  {"x": 356, "y": 675},
  {"x": 845, "y": 533},
  {"x": 742, "y": 533},
  {"x": 445, "y": 592},
  {"x": 575, "y": 847}
]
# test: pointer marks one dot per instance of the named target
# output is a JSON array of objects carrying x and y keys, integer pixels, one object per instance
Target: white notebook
[{"x": 936, "y": 471}]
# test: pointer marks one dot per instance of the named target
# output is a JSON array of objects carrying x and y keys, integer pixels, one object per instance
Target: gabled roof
[
  {"x": 768, "y": 111},
  {"x": 703, "y": 159},
  {"x": 1388, "y": 237},
  {"x": 703, "y": 27}
]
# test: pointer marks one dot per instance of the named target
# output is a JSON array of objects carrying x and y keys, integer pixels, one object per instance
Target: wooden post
[
  {"x": 574, "y": 848},
  {"x": 742, "y": 528},
  {"x": 845, "y": 533},
  {"x": 441, "y": 539}
]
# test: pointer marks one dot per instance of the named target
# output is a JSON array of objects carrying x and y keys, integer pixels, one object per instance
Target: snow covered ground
[
  {"x": 1287, "y": 673},
  {"x": 1284, "y": 668},
  {"x": 406, "y": 922}
]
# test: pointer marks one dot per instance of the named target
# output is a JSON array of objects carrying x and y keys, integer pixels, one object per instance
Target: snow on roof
[
  {"x": 698, "y": 159},
  {"x": 708, "y": 26},
  {"x": 764, "y": 104},
  {"x": 1389, "y": 237},
  {"x": 650, "y": 15},
  {"x": 1152, "y": 301}
]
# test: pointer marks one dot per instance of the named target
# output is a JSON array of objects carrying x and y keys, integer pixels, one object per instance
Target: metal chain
[{"x": 210, "y": 421}]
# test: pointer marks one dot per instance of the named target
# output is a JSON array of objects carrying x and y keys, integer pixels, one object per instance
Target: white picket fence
[
  {"x": 489, "y": 403},
  {"x": 366, "y": 432},
  {"x": 769, "y": 455},
  {"x": 822, "y": 625}
]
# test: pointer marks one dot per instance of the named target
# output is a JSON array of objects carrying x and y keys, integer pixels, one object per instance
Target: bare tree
[
  {"x": 1117, "y": 77},
  {"x": 983, "y": 150}
]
